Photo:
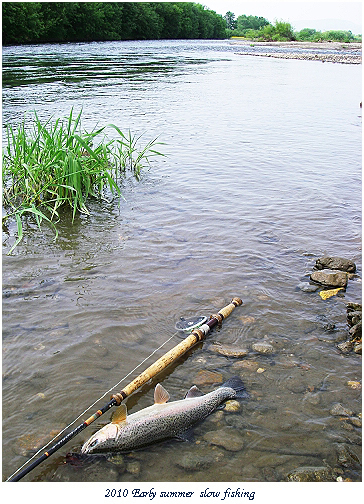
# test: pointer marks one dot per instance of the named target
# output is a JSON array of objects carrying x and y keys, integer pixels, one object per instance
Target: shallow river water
[{"x": 262, "y": 177}]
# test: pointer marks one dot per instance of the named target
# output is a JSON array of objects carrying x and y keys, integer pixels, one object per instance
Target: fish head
[{"x": 103, "y": 440}]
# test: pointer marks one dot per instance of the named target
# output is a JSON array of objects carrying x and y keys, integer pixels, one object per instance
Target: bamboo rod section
[{"x": 163, "y": 362}]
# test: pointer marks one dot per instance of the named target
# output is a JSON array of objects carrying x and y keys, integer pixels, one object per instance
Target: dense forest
[{"x": 36, "y": 22}]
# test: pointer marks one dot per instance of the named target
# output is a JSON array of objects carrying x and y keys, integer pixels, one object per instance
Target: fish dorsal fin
[
  {"x": 161, "y": 396},
  {"x": 120, "y": 414},
  {"x": 194, "y": 392}
]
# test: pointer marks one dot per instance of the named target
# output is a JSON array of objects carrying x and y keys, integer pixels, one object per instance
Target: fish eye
[{"x": 94, "y": 443}]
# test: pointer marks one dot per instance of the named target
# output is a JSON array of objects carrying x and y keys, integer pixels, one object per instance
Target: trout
[{"x": 161, "y": 421}]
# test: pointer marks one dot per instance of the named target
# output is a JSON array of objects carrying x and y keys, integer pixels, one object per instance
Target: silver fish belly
[{"x": 161, "y": 421}]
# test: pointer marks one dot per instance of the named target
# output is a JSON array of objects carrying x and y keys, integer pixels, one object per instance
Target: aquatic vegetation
[{"x": 56, "y": 164}]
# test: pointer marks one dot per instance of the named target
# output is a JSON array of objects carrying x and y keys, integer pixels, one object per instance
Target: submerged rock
[
  {"x": 229, "y": 350},
  {"x": 340, "y": 410},
  {"x": 205, "y": 377},
  {"x": 307, "y": 287},
  {"x": 347, "y": 456},
  {"x": 228, "y": 437},
  {"x": 311, "y": 474},
  {"x": 336, "y": 263},
  {"x": 262, "y": 347},
  {"x": 194, "y": 462},
  {"x": 232, "y": 406},
  {"x": 330, "y": 278},
  {"x": 345, "y": 346}
]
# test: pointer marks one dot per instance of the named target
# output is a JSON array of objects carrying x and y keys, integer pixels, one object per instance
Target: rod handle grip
[{"x": 225, "y": 312}]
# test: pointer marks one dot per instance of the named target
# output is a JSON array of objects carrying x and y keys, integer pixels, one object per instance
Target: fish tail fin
[{"x": 236, "y": 383}]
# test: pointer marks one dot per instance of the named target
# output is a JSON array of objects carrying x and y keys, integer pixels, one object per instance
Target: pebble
[
  {"x": 117, "y": 459},
  {"x": 354, "y": 385},
  {"x": 332, "y": 58},
  {"x": 304, "y": 474},
  {"x": 247, "y": 365},
  {"x": 356, "y": 331},
  {"x": 347, "y": 457},
  {"x": 133, "y": 467},
  {"x": 355, "y": 421},
  {"x": 345, "y": 347},
  {"x": 205, "y": 377},
  {"x": 229, "y": 350},
  {"x": 247, "y": 319},
  {"x": 194, "y": 462},
  {"x": 263, "y": 347},
  {"x": 339, "y": 410},
  {"x": 228, "y": 437},
  {"x": 232, "y": 406}
]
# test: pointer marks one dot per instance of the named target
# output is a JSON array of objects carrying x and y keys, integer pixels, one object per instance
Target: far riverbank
[{"x": 335, "y": 52}]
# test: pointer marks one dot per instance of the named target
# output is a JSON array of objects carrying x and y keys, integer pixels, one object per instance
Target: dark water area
[{"x": 262, "y": 177}]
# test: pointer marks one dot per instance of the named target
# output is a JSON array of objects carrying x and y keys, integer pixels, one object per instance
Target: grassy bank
[{"x": 57, "y": 164}]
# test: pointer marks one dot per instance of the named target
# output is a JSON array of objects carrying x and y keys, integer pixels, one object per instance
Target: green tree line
[
  {"x": 259, "y": 29},
  {"x": 37, "y": 22}
]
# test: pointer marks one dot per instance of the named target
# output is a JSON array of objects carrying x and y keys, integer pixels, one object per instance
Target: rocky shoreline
[{"x": 334, "y": 52}]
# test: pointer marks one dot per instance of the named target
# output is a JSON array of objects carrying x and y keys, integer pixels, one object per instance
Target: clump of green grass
[{"x": 57, "y": 164}]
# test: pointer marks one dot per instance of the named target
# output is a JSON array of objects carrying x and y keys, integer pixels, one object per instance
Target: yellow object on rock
[{"x": 326, "y": 294}]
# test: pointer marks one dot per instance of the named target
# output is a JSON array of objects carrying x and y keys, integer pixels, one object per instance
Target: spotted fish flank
[{"x": 161, "y": 421}]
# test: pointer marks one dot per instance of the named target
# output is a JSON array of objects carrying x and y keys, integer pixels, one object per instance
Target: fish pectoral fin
[
  {"x": 120, "y": 414},
  {"x": 161, "y": 396},
  {"x": 194, "y": 392}
]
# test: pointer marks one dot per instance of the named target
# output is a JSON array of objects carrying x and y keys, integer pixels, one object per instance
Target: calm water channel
[{"x": 262, "y": 177}]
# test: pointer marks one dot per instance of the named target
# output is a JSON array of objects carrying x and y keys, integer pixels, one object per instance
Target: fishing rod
[{"x": 198, "y": 327}]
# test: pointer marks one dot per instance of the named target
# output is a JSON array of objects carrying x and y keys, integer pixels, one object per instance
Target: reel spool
[{"x": 189, "y": 324}]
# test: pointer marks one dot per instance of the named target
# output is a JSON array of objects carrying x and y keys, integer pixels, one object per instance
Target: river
[{"x": 262, "y": 176}]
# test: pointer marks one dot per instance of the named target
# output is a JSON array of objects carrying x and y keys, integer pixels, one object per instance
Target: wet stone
[
  {"x": 118, "y": 460},
  {"x": 205, "y": 377},
  {"x": 353, "y": 317},
  {"x": 356, "y": 331},
  {"x": 232, "y": 406},
  {"x": 354, "y": 307},
  {"x": 330, "y": 278},
  {"x": 263, "y": 347},
  {"x": 229, "y": 350},
  {"x": 356, "y": 421},
  {"x": 347, "y": 457},
  {"x": 339, "y": 410},
  {"x": 133, "y": 467},
  {"x": 194, "y": 462},
  {"x": 99, "y": 351},
  {"x": 228, "y": 437},
  {"x": 345, "y": 347},
  {"x": 357, "y": 348},
  {"x": 304, "y": 474},
  {"x": 247, "y": 365},
  {"x": 307, "y": 287},
  {"x": 336, "y": 263}
]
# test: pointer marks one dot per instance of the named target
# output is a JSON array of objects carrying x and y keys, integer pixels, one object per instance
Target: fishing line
[
  {"x": 92, "y": 405},
  {"x": 197, "y": 327}
]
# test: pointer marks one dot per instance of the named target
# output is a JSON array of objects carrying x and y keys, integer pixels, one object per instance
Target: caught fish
[{"x": 161, "y": 421}]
